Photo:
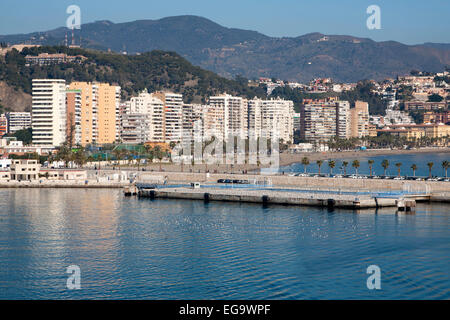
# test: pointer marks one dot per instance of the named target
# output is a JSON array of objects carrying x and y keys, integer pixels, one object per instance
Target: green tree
[
  {"x": 331, "y": 164},
  {"x": 385, "y": 165},
  {"x": 355, "y": 164},
  {"x": 430, "y": 166},
  {"x": 414, "y": 168},
  {"x": 319, "y": 164},
  {"x": 398, "y": 165},
  {"x": 305, "y": 163},
  {"x": 345, "y": 164},
  {"x": 370, "y": 162},
  {"x": 435, "y": 98},
  {"x": 445, "y": 165}
]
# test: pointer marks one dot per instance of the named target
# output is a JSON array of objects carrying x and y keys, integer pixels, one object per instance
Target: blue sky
[{"x": 407, "y": 21}]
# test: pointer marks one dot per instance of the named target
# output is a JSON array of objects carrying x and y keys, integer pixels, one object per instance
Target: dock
[{"x": 296, "y": 197}]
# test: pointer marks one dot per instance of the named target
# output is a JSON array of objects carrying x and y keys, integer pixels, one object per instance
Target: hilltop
[{"x": 231, "y": 52}]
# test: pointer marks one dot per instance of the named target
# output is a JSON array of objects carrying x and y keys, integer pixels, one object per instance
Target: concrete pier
[{"x": 321, "y": 199}]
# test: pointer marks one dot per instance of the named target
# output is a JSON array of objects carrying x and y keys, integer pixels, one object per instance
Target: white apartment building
[
  {"x": 325, "y": 120},
  {"x": 193, "y": 120},
  {"x": 135, "y": 128},
  {"x": 18, "y": 121},
  {"x": 173, "y": 116},
  {"x": 49, "y": 112},
  {"x": 163, "y": 112},
  {"x": 270, "y": 118},
  {"x": 231, "y": 114}
]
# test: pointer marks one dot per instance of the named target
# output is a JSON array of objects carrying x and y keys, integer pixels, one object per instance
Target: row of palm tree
[
  {"x": 80, "y": 156},
  {"x": 385, "y": 164}
]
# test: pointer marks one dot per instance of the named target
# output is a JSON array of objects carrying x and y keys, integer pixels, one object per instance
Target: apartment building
[
  {"x": 359, "y": 116},
  {"x": 99, "y": 120},
  {"x": 3, "y": 125},
  {"x": 424, "y": 105},
  {"x": 135, "y": 128},
  {"x": 435, "y": 117},
  {"x": 271, "y": 118},
  {"x": 18, "y": 121},
  {"x": 193, "y": 120},
  {"x": 108, "y": 101},
  {"x": 49, "y": 111},
  {"x": 324, "y": 120},
  {"x": 232, "y": 112},
  {"x": 153, "y": 108},
  {"x": 73, "y": 112},
  {"x": 88, "y": 111},
  {"x": 173, "y": 115}
]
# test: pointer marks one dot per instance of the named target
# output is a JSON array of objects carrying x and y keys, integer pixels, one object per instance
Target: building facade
[
  {"x": 18, "y": 121},
  {"x": 49, "y": 112}
]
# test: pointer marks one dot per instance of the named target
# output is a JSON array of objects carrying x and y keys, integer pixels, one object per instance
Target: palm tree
[
  {"x": 118, "y": 155},
  {"x": 414, "y": 168},
  {"x": 371, "y": 162},
  {"x": 398, "y": 165},
  {"x": 319, "y": 164},
  {"x": 355, "y": 164},
  {"x": 445, "y": 165},
  {"x": 150, "y": 153},
  {"x": 305, "y": 162},
  {"x": 430, "y": 166},
  {"x": 331, "y": 164},
  {"x": 385, "y": 165},
  {"x": 345, "y": 164},
  {"x": 159, "y": 155},
  {"x": 79, "y": 157}
]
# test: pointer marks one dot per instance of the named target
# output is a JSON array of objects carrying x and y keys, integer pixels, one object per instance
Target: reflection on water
[{"x": 167, "y": 249}]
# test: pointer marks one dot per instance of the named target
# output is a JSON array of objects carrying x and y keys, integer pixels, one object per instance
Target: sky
[{"x": 406, "y": 21}]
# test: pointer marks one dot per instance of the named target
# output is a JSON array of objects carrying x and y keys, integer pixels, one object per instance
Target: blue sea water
[
  {"x": 129, "y": 248},
  {"x": 406, "y": 160}
]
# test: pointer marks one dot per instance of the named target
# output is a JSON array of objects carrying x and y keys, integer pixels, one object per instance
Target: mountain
[
  {"x": 155, "y": 70},
  {"x": 230, "y": 52}
]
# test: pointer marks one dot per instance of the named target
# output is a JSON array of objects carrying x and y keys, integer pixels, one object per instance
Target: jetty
[{"x": 285, "y": 196}]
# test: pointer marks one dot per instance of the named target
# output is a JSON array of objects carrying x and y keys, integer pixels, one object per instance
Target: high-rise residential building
[
  {"x": 100, "y": 120},
  {"x": 359, "y": 116},
  {"x": 297, "y": 121},
  {"x": 324, "y": 120},
  {"x": 18, "y": 121},
  {"x": 108, "y": 101},
  {"x": 343, "y": 120},
  {"x": 135, "y": 128},
  {"x": 49, "y": 112},
  {"x": 193, "y": 120},
  {"x": 232, "y": 114},
  {"x": 271, "y": 118},
  {"x": 153, "y": 108},
  {"x": 89, "y": 111},
  {"x": 173, "y": 115},
  {"x": 3, "y": 125},
  {"x": 73, "y": 111}
]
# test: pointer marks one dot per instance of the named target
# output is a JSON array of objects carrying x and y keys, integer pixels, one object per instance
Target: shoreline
[{"x": 288, "y": 159}]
